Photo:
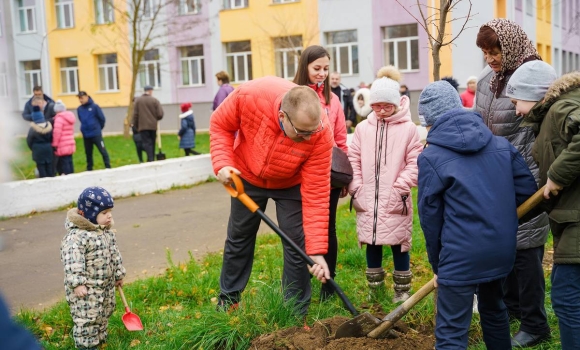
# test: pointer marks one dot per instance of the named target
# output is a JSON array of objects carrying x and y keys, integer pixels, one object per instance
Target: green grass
[
  {"x": 178, "y": 309},
  {"x": 121, "y": 152}
]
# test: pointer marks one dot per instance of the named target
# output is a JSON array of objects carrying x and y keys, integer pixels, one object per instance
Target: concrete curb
[{"x": 24, "y": 197}]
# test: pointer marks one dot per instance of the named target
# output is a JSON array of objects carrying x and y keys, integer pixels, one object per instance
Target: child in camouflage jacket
[{"x": 92, "y": 266}]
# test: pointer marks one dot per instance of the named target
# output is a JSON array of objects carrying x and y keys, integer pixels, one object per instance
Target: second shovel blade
[{"x": 357, "y": 327}]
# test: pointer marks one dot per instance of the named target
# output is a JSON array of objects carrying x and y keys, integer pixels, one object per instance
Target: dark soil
[{"x": 320, "y": 336}]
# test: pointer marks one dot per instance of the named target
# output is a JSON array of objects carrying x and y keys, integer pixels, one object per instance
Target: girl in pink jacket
[
  {"x": 383, "y": 155},
  {"x": 63, "y": 139},
  {"x": 313, "y": 71}
]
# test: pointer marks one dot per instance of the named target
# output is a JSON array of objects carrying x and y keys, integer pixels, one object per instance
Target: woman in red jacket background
[{"x": 313, "y": 69}]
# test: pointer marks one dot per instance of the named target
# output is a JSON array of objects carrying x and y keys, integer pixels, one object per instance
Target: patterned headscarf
[{"x": 516, "y": 49}]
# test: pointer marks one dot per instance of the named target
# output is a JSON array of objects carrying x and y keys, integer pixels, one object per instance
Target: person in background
[
  {"x": 39, "y": 139},
  {"x": 362, "y": 105},
  {"x": 383, "y": 155},
  {"x": 404, "y": 91},
  {"x": 63, "y": 139},
  {"x": 92, "y": 123},
  {"x": 467, "y": 211},
  {"x": 550, "y": 106},
  {"x": 345, "y": 98},
  {"x": 468, "y": 96},
  {"x": 186, "y": 133},
  {"x": 506, "y": 47},
  {"x": 223, "y": 81},
  {"x": 48, "y": 109},
  {"x": 452, "y": 81},
  {"x": 147, "y": 112},
  {"x": 313, "y": 71}
]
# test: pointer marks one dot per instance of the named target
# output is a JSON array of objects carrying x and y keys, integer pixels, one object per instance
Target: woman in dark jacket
[
  {"x": 39, "y": 140},
  {"x": 506, "y": 47},
  {"x": 187, "y": 131}
]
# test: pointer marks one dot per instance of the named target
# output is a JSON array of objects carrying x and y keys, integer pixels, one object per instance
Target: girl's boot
[
  {"x": 376, "y": 279},
  {"x": 402, "y": 285}
]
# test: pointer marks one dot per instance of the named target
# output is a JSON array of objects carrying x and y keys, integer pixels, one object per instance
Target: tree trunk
[{"x": 436, "y": 61}]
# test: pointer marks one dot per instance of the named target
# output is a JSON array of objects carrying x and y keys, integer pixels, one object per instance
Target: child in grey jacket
[{"x": 92, "y": 266}]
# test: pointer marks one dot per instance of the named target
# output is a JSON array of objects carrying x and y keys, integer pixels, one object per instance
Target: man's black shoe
[
  {"x": 524, "y": 340},
  {"x": 226, "y": 306}
]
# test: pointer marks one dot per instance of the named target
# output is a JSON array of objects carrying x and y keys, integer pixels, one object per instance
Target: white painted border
[{"x": 23, "y": 197}]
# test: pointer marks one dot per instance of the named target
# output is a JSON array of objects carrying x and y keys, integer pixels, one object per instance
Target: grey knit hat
[
  {"x": 436, "y": 99},
  {"x": 59, "y": 106},
  {"x": 531, "y": 81}
]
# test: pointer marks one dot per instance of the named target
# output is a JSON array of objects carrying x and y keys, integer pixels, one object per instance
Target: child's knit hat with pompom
[{"x": 386, "y": 88}]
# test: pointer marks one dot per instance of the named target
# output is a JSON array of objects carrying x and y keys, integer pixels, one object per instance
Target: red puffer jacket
[
  {"x": 267, "y": 158},
  {"x": 63, "y": 137}
]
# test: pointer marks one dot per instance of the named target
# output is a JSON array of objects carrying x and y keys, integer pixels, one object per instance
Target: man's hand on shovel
[{"x": 320, "y": 268}]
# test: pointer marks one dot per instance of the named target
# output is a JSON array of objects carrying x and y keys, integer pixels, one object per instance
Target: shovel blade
[
  {"x": 357, "y": 327},
  {"x": 132, "y": 322}
]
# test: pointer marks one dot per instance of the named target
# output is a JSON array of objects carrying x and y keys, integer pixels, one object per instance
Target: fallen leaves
[{"x": 134, "y": 342}]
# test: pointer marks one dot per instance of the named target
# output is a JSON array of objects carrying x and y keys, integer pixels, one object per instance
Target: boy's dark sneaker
[
  {"x": 226, "y": 306},
  {"x": 524, "y": 339}
]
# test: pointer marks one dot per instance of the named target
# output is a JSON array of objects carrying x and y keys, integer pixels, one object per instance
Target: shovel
[
  {"x": 132, "y": 322},
  {"x": 347, "y": 330},
  {"x": 160, "y": 155},
  {"x": 366, "y": 322}
]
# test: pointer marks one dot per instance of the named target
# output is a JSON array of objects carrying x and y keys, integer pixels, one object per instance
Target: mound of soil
[{"x": 320, "y": 337}]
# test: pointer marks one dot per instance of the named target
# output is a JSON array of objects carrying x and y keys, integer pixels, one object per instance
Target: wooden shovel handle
[
  {"x": 123, "y": 297},
  {"x": 531, "y": 202}
]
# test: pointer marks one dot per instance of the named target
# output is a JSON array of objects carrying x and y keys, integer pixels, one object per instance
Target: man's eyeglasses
[
  {"x": 378, "y": 108},
  {"x": 304, "y": 133}
]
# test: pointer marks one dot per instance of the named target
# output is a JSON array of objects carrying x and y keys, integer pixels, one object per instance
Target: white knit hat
[
  {"x": 386, "y": 88},
  {"x": 59, "y": 106}
]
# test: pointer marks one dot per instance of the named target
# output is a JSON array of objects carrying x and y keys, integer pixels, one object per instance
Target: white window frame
[
  {"x": 337, "y": 61},
  {"x": 191, "y": 61},
  {"x": 284, "y": 1},
  {"x": 106, "y": 67},
  {"x": 61, "y": 8},
  {"x": 149, "y": 7},
  {"x": 183, "y": 7},
  {"x": 143, "y": 69},
  {"x": 396, "y": 41},
  {"x": 3, "y": 80},
  {"x": 26, "y": 24},
  {"x": 100, "y": 6},
  {"x": 285, "y": 63},
  {"x": 29, "y": 76},
  {"x": 235, "y": 75},
  {"x": 231, "y": 4},
  {"x": 530, "y": 7},
  {"x": 68, "y": 71}
]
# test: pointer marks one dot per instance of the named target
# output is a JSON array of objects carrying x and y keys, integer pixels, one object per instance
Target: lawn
[
  {"x": 178, "y": 309},
  {"x": 121, "y": 152}
]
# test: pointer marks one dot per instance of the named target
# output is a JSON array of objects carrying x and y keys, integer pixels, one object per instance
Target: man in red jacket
[{"x": 283, "y": 151}]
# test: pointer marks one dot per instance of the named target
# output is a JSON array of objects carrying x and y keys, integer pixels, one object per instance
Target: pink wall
[
  {"x": 386, "y": 13},
  {"x": 189, "y": 30}
]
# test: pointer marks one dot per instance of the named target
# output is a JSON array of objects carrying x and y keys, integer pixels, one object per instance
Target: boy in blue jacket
[
  {"x": 92, "y": 123},
  {"x": 470, "y": 184}
]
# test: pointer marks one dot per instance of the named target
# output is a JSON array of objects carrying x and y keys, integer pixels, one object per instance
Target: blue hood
[{"x": 460, "y": 130}]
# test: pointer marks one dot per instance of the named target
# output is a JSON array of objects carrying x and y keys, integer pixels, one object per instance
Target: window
[
  {"x": 1, "y": 21},
  {"x": 104, "y": 12},
  {"x": 343, "y": 49},
  {"x": 3, "y": 80},
  {"x": 557, "y": 61},
  {"x": 401, "y": 45},
  {"x": 519, "y": 5},
  {"x": 239, "y": 60},
  {"x": 557, "y": 13},
  {"x": 530, "y": 7},
  {"x": 577, "y": 61},
  {"x": 64, "y": 14},
  {"x": 108, "y": 72},
  {"x": 149, "y": 70},
  {"x": 32, "y": 76},
  {"x": 192, "y": 69},
  {"x": 188, "y": 7},
  {"x": 69, "y": 75},
  {"x": 287, "y": 51},
  {"x": 564, "y": 18},
  {"x": 283, "y": 1},
  {"x": 235, "y": 4},
  {"x": 27, "y": 18},
  {"x": 149, "y": 8},
  {"x": 564, "y": 62}
]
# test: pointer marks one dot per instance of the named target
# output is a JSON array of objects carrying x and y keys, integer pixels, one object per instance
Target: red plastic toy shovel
[{"x": 132, "y": 322}]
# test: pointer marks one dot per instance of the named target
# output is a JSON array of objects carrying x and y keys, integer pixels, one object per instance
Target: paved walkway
[{"x": 185, "y": 220}]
